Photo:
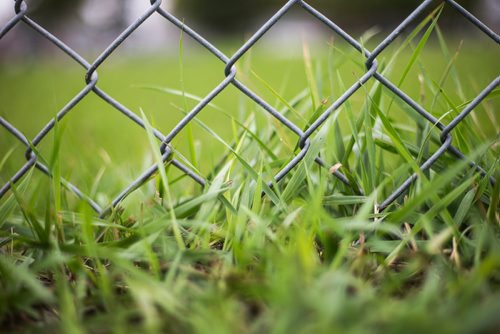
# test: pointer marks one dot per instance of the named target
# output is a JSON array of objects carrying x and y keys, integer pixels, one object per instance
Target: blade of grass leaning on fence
[
  {"x": 189, "y": 130},
  {"x": 163, "y": 175}
]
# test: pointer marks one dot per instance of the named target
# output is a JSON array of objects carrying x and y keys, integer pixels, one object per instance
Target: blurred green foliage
[
  {"x": 230, "y": 16},
  {"x": 52, "y": 9}
]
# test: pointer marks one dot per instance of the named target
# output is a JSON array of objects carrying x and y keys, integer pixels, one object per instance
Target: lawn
[{"x": 310, "y": 256}]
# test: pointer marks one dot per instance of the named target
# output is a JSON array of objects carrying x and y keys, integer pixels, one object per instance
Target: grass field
[{"x": 312, "y": 256}]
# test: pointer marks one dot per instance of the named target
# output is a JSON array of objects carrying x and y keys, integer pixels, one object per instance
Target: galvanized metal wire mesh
[{"x": 230, "y": 79}]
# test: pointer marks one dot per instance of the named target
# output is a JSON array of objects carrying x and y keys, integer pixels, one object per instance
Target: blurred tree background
[
  {"x": 52, "y": 11},
  {"x": 232, "y": 16},
  {"x": 235, "y": 16},
  {"x": 93, "y": 23}
]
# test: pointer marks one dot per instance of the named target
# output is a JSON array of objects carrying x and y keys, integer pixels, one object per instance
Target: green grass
[{"x": 313, "y": 256}]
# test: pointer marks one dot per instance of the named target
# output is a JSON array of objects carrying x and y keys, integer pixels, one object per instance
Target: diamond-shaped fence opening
[
  {"x": 48, "y": 90},
  {"x": 230, "y": 81}
]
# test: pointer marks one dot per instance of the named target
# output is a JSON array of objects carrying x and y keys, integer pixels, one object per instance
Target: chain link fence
[{"x": 303, "y": 136}]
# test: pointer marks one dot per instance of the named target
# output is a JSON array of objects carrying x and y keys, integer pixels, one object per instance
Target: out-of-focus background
[{"x": 91, "y": 24}]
